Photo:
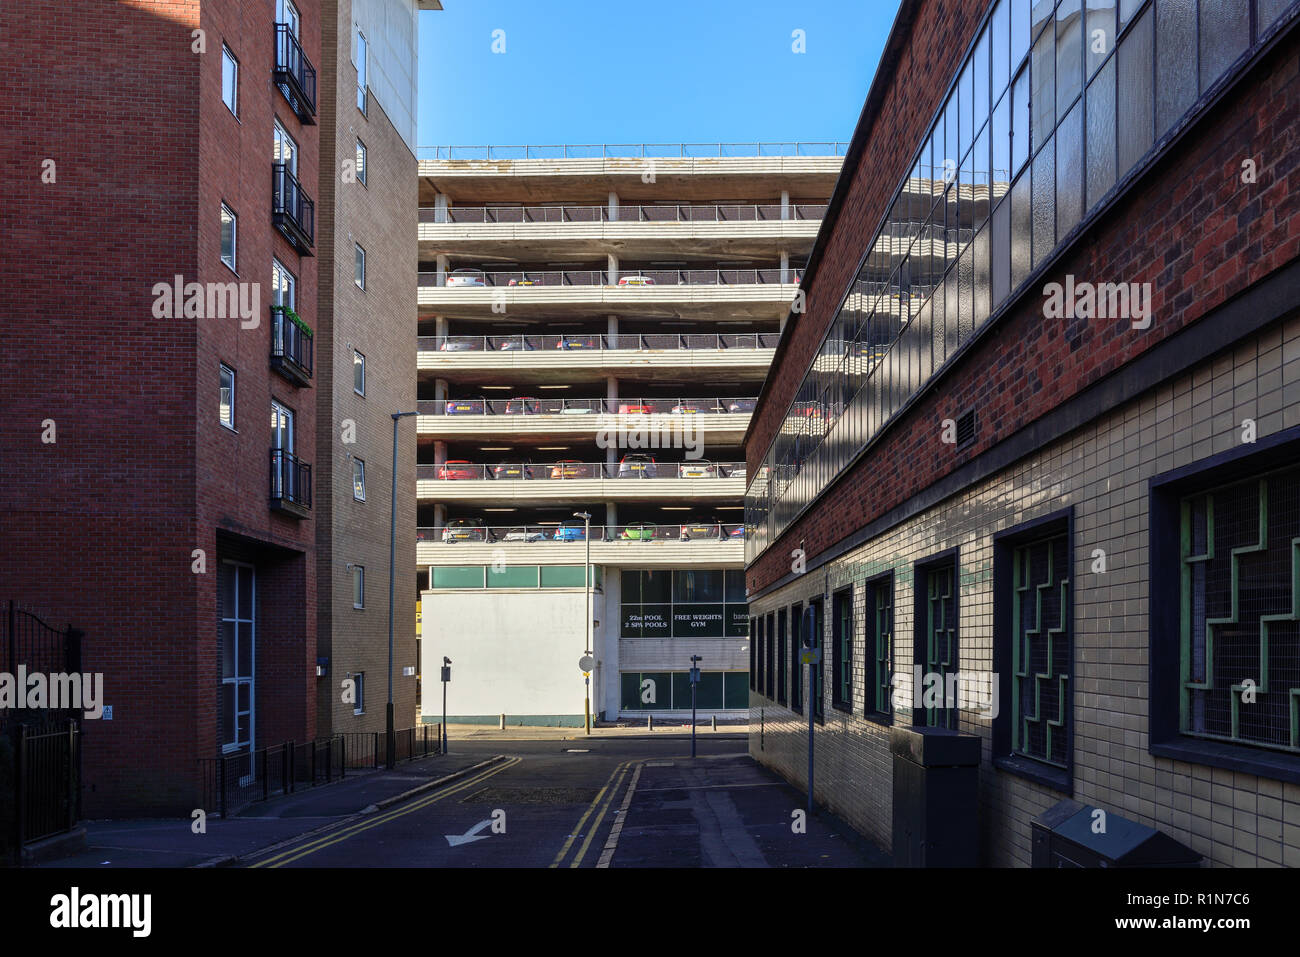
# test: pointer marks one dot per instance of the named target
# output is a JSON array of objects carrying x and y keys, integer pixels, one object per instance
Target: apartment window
[
  {"x": 359, "y": 273},
  {"x": 935, "y": 637},
  {"x": 229, "y": 80},
  {"x": 782, "y": 670},
  {"x": 362, "y": 56},
  {"x": 842, "y": 651},
  {"x": 878, "y": 613},
  {"x": 796, "y": 658},
  {"x": 358, "y": 373},
  {"x": 229, "y": 235},
  {"x": 361, "y": 162},
  {"x": 227, "y": 397},
  {"x": 358, "y": 586},
  {"x": 1225, "y": 678},
  {"x": 359, "y": 480},
  {"x": 359, "y": 692}
]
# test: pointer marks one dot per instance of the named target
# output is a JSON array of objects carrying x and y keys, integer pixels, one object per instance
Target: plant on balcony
[{"x": 294, "y": 318}]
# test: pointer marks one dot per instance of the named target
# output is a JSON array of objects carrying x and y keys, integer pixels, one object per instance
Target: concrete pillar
[
  {"x": 781, "y": 328},
  {"x": 440, "y": 206},
  {"x": 611, "y": 330},
  {"x": 440, "y": 326},
  {"x": 612, "y": 278},
  {"x": 613, "y": 206},
  {"x": 440, "y": 390},
  {"x": 611, "y": 396},
  {"x": 611, "y": 519},
  {"x": 785, "y": 266},
  {"x": 785, "y": 204},
  {"x": 442, "y": 269},
  {"x": 440, "y": 516},
  {"x": 439, "y": 453}
]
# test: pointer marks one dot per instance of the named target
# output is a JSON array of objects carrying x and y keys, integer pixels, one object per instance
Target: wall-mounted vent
[{"x": 966, "y": 428}]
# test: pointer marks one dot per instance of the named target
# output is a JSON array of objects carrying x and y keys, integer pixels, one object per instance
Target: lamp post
[
  {"x": 391, "y": 734},
  {"x": 586, "y": 631}
]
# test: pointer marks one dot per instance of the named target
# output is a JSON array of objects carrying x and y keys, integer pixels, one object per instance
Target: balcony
[
  {"x": 290, "y": 484},
  {"x": 291, "y": 346},
  {"x": 292, "y": 211},
  {"x": 294, "y": 74}
]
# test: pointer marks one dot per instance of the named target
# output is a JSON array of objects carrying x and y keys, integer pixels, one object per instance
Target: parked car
[
  {"x": 466, "y": 277},
  {"x": 576, "y": 407},
  {"x": 521, "y": 282},
  {"x": 740, "y": 405},
  {"x": 458, "y": 469},
  {"x": 637, "y": 280},
  {"x": 524, "y": 535},
  {"x": 697, "y": 470},
  {"x": 570, "y": 469},
  {"x": 464, "y": 407},
  {"x": 701, "y": 531},
  {"x": 514, "y": 345},
  {"x": 578, "y": 342},
  {"x": 512, "y": 470},
  {"x": 737, "y": 471},
  {"x": 465, "y": 530},
  {"x": 628, "y": 408},
  {"x": 459, "y": 344},
  {"x": 570, "y": 531},
  {"x": 638, "y": 533},
  {"x": 737, "y": 533},
  {"x": 636, "y": 466},
  {"x": 523, "y": 406},
  {"x": 693, "y": 405}
]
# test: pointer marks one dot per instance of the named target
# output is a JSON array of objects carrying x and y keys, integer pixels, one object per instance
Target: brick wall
[
  {"x": 100, "y": 526},
  {"x": 380, "y": 323}
]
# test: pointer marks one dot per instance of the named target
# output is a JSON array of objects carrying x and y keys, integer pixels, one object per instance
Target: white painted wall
[
  {"x": 513, "y": 651},
  {"x": 390, "y": 29}
]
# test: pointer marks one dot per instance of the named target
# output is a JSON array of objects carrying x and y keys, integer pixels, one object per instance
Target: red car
[{"x": 458, "y": 469}]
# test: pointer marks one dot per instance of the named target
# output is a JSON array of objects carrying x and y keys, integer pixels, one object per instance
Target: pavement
[{"x": 619, "y": 798}]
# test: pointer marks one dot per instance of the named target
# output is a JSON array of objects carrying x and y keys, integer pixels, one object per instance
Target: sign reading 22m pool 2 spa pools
[{"x": 697, "y": 604}]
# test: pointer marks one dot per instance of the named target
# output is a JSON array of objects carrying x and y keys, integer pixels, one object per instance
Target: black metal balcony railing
[
  {"x": 679, "y": 213},
  {"x": 292, "y": 210},
  {"x": 291, "y": 347},
  {"x": 290, "y": 484},
  {"x": 294, "y": 74}
]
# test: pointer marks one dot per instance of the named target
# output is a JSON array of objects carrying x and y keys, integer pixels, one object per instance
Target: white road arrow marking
[{"x": 469, "y": 836}]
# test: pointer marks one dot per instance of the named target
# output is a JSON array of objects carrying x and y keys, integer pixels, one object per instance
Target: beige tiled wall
[{"x": 1102, "y": 473}]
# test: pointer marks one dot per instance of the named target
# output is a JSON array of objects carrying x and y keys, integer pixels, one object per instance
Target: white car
[
  {"x": 697, "y": 470},
  {"x": 737, "y": 471},
  {"x": 637, "y": 280},
  {"x": 466, "y": 277}
]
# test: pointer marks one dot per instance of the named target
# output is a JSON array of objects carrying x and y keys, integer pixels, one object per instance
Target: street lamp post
[
  {"x": 695, "y": 681},
  {"x": 391, "y": 734},
  {"x": 586, "y": 631}
]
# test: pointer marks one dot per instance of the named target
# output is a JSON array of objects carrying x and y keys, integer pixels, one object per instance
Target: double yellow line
[
  {"x": 334, "y": 837},
  {"x": 604, "y": 799}
]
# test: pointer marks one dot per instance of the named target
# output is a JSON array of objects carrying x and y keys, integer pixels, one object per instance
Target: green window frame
[
  {"x": 1239, "y": 613},
  {"x": 937, "y": 647},
  {"x": 842, "y": 674},
  {"x": 879, "y": 613},
  {"x": 1041, "y": 650}
]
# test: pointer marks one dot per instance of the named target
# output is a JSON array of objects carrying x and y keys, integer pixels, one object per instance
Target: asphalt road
[{"x": 624, "y": 802}]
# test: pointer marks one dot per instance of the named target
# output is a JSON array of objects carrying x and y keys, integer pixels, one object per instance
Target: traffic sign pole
[{"x": 695, "y": 681}]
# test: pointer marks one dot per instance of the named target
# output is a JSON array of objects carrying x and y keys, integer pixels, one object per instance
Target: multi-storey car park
[
  {"x": 1037, "y": 431},
  {"x": 595, "y": 323}
]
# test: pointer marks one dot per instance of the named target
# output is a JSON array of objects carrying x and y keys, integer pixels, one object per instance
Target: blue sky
[{"x": 620, "y": 71}]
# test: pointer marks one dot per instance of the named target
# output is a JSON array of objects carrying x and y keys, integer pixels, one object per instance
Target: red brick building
[
  {"x": 1050, "y": 322},
  {"x": 157, "y": 453}
]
